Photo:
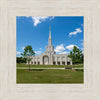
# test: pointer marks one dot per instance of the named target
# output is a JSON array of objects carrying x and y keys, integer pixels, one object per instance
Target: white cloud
[
  {"x": 82, "y": 49},
  {"x": 81, "y": 40},
  {"x": 40, "y": 48},
  {"x": 18, "y": 53},
  {"x": 37, "y": 20},
  {"x": 82, "y": 24},
  {"x": 51, "y": 18},
  {"x": 82, "y": 44},
  {"x": 65, "y": 52},
  {"x": 59, "y": 48},
  {"x": 78, "y": 30},
  {"x": 23, "y": 48},
  {"x": 38, "y": 52},
  {"x": 70, "y": 47}
]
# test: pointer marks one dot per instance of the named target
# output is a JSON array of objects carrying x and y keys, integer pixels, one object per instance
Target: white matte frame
[{"x": 89, "y": 90}]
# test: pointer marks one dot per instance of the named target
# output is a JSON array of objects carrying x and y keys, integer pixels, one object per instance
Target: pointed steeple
[
  {"x": 50, "y": 41},
  {"x": 49, "y": 32}
]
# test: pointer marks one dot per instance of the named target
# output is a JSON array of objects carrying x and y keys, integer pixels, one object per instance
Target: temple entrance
[
  {"x": 54, "y": 63},
  {"x": 45, "y": 60},
  {"x": 63, "y": 63},
  {"x": 38, "y": 63},
  {"x": 34, "y": 62},
  {"x": 58, "y": 63},
  {"x": 68, "y": 63}
]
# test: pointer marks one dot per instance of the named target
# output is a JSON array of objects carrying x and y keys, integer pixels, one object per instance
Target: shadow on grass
[
  {"x": 34, "y": 70},
  {"x": 79, "y": 70},
  {"x": 41, "y": 70}
]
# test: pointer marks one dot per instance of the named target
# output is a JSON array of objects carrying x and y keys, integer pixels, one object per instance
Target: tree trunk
[{"x": 29, "y": 66}]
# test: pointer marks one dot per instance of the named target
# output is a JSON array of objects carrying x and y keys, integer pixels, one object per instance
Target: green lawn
[
  {"x": 50, "y": 66},
  {"x": 49, "y": 76}
]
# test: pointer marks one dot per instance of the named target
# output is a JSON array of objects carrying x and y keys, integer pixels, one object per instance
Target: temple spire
[
  {"x": 49, "y": 32},
  {"x": 50, "y": 41}
]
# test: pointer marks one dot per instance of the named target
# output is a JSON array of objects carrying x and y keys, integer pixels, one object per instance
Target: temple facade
[{"x": 49, "y": 57}]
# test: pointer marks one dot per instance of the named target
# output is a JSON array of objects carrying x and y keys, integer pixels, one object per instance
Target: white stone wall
[{"x": 53, "y": 58}]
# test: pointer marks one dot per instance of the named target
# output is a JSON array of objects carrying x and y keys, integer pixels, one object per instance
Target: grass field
[
  {"x": 50, "y": 66},
  {"x": 49, "y": 75}
]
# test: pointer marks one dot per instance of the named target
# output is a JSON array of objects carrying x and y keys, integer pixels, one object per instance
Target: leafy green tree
[
  {"x": 21, "y": 60},
  {"x": 76, "y": 55},
  {"x": 28, "y": 53}
]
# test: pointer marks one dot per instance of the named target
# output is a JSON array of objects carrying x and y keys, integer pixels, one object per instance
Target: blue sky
[{"x": 66, "y": 32}]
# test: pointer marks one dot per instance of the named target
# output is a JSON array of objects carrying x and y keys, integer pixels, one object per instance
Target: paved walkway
[
  {"x": 77, "y": 68},
  {"x": 44, "y": 68}
]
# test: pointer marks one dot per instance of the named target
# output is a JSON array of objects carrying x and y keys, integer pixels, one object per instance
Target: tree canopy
[
  {"x": 76, "y": 55},
  {"x": 20, "y": 60},
  {"x": 28, "y": 53}
]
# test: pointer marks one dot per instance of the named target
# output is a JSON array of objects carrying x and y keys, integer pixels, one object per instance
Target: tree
[
  {"x": 76, "y": 55},
  {"x": 28, "y": 53},
  {"x": 21, "y": 60}
]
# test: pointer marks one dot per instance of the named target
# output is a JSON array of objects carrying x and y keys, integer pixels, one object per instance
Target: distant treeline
[{"x": 20, "y": 60}]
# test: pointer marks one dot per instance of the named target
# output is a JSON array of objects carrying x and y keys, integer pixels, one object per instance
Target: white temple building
[{"x": 49, "y": 57}]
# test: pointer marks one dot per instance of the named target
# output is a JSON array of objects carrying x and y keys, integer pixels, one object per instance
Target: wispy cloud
[
  {"x": 78, "y": 30},
  {"x": 82, "y": 49},
  {"x": 38, "y": 52},
  {"x": 70, "y": 47},
  {"x": 82, "y": 24},
  {"x": 65, "y": 52},
  {"x": 38, "y": 20},
  {"x": 23, "y": 48},
  {"x": 59, "y": 48},
  {"x": 18, "y": 53},
  {"x": 81, "y": 40},
  {"x": 82, "y": 44}
]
